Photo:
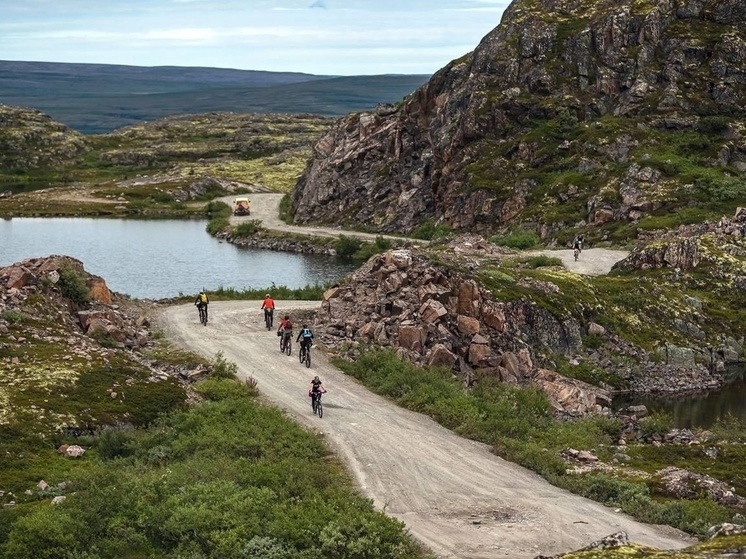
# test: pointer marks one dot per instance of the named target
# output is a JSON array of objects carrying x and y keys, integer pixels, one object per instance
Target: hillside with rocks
[
  {"x": 607, "y": 117},
  {"x": 669, "y": 318},
  {"x": 76, "y": 356},
  {"x": 31, "y": 140}
]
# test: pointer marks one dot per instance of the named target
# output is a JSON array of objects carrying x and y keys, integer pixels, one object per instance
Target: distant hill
[{"x": 96, "y": 98}]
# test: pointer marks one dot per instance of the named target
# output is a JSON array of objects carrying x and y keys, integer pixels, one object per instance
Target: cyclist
[
  {"x": 269, "y": 310},
  {"x": 305, "y": 337},
  {"x": 201, "y": 301},
  {"x": 316, "y": 389},
  {"x": 286, "y": 331}
]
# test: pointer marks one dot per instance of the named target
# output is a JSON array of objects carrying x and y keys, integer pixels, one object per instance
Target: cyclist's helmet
[
  {"x": 287, "y": 317},
  {"x": 305, "y": 326},
  {"x": 316, "y": 378},
  {"x": 267, "y": 295}
]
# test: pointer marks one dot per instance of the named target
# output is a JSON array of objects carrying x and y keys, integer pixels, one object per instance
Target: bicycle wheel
[
  {"x": 320, "y": 408},
  {"x": 205, "y": 322},
  {"x": 282, "y": 344},
  {"x": 289, "y": 347},
  {"x": 301, "y": 354},
  {"x": 308, "y": 358},
  {"x": 313, "y": 404},
  {"x": 266, "y": 320}
]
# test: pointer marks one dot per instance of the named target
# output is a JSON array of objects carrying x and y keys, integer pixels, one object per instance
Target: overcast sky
[{"x": 333, "y": 37}]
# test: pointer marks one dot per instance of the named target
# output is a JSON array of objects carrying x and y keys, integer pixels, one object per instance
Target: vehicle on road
[{"x": 241, "y": 206}]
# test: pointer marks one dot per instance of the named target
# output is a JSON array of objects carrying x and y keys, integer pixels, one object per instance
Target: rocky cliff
[{"x": 569, "y": 113}]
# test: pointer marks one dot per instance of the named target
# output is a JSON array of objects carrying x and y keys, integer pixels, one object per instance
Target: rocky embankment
[{"x": 434, "y": 308}]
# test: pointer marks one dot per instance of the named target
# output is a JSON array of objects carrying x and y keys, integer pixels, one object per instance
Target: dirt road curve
[
  {"x": 591, "y": 262},
  {"x": 453, "y": 494},
  {"x": 265, "y": 207}
]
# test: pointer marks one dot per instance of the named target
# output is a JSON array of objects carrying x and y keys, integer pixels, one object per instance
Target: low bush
[
  {"x": 72, "y": 284},
  {"x": 247, "y": 228},
  {"x": 541, "y": 261},
  {"x": 13, "y": 316},
  {"x": 346, "y": 247},
  {"x": 217, "y": 225},
  {"x": 430, "y": 230},
  {"x": 222, "y": 368},
  {"x": 519, "y": 239},
  {"x": 217, "y": 208}
]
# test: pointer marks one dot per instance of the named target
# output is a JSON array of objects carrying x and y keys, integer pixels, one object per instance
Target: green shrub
[
  {"x": 367, "y": 250},
  {"x": 429, "y": 230},
  {"x": 114, "y": 443},
  {"x": 541, "y": 261},
  {"x": 72, "y": 284},
  {"x": 217, "y": 208},
  {"x": 656, "y": 424},
  {"x": 519, "y": 239},
  {"x": 42, "y": 533},
  {"x": 222, "y": 368},
  {"x": 713, "y": 125},
  {"x": 286, "y": 210},
  {"x": 346, "y": 246},
  {"x": 217, "y": 389},
  {"x": 247, "y": 228},
  {"x": 13, "y": 316},
  {"x": 217, "y": 225}
]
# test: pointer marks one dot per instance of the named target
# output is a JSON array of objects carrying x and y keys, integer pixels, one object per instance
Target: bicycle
[
  {"x": 286, "y": 343},
  {"x": 304, "y": 355},
  {"x": 316, "y": 406},
  {"x": 576, "y": 253},
  {"x": 268, "y": 318},
  {"x": 202, "y": 314}
]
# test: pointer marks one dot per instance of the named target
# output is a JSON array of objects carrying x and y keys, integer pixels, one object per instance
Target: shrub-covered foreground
[
  {"x": 229, "y": 479},
  {"x": 518, "y": 423}
]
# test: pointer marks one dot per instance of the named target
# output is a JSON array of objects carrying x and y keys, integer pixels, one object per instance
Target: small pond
[
  {"x": 158, "y": 259},
  {"x": 702, "y": 409}
]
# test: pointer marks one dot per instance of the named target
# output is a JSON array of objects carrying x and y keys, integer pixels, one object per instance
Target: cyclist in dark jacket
[{"x": 305, "y": 337}]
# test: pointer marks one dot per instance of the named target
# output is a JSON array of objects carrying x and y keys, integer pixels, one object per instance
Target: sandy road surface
[
  {"x": 591, "y": 262},
  {"x": 439, "y": 484}
]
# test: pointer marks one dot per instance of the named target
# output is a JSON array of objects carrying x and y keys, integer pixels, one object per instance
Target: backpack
[
  {"x": 306, "y": 333},
  {"x": 203, "y": 297}
]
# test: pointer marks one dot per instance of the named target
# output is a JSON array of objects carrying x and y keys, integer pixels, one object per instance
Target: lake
[{"x": 161, "y": 258}]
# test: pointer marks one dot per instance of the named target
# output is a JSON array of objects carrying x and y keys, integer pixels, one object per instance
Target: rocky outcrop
[
  {"x": 40, "y": 275},
  {"x": 581, "y": 89},
  {"x": 435, "y": 316}
]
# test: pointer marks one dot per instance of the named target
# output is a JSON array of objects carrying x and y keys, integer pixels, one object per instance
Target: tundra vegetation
[
  {"x": 169, "y": 168},
  {"x": 217, "y": 474}
]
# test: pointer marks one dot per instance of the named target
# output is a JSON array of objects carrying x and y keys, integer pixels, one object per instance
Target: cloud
[{"x": 318, "y": 4}]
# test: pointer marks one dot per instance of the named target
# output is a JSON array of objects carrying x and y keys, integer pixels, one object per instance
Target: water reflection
[
  {"x": 155, "y": 259},
  {"x": 699, "y": 410}
]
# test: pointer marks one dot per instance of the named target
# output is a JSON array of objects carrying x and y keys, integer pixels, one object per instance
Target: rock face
[
  {"x": 436, "y": 316},
  {"x": 580, "y": 87}
]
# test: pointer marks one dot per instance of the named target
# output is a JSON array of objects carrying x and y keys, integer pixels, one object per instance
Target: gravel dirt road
[{"x": 453, "y": 494}]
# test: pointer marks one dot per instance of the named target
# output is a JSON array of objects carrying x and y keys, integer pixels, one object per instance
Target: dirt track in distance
[{"x": 453, "y": 494}]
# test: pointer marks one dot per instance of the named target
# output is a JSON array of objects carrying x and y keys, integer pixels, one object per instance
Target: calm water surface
[
  {"x": 700, "y": 410},
  {"x": 157, "y": 259}
]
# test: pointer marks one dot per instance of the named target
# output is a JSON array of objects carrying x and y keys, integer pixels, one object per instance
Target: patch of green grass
[
  {"x": 278, "y": 292},
  {"x": 519, "y": 239},
  {"x": 430, "y": 230},
  {"x": 227, "y": 478},
  {"x": 217, "y": 225},
  {"x": 247, "y": 228}
]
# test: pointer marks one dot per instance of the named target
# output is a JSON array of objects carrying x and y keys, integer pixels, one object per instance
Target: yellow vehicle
[{"x": 241, "y": 206}]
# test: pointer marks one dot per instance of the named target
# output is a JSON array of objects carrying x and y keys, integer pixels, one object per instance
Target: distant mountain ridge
[{"x": 96, "y": 98}]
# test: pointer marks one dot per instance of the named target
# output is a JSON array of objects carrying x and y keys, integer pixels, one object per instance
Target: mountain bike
[
  {"x": 202, "y": 314},
  {"x": 286, "y": 343},
  {"x": 268, "y": 318},
  {"x": 316, "y": 406},
  {"x": 304, "y": 355},
  {"x": 576, "y": 253}
]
